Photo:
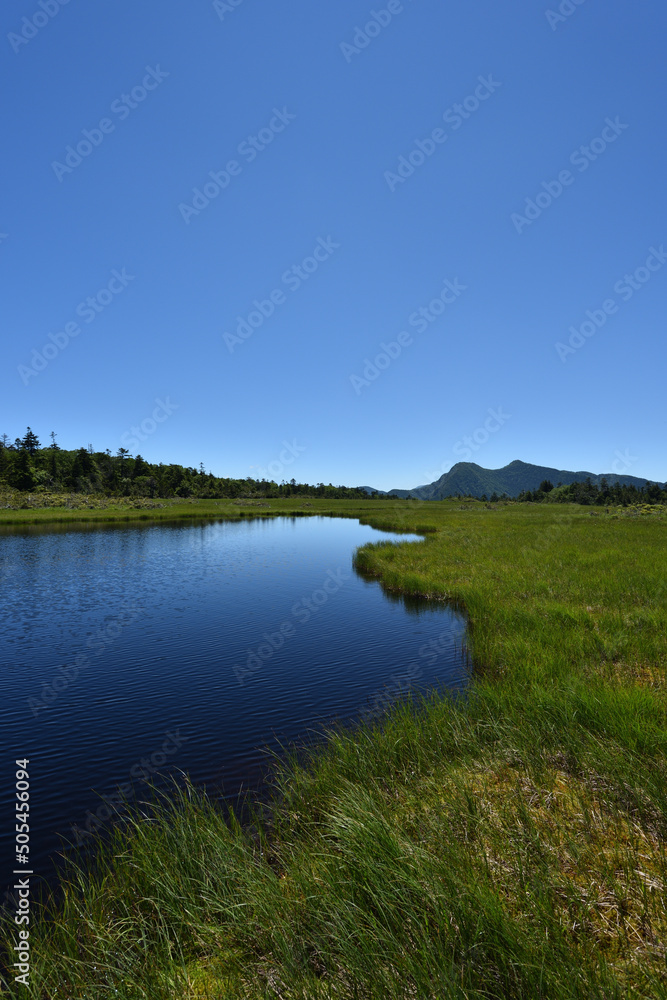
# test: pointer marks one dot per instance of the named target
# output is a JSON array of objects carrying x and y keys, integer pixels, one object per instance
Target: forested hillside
[
  {"x": 515, "y": 479},
  {"x": 27, "y": 466}
]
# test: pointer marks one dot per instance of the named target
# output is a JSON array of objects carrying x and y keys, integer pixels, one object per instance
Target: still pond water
[{"x": 130, "y": 652}]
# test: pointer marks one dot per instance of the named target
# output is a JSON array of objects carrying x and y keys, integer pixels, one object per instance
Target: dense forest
[{"x": 27, "y": 466}]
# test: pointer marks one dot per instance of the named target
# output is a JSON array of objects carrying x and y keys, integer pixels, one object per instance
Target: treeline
[
  {"x": 604, "y": 494},
  {"x": 27, "y": 466}
]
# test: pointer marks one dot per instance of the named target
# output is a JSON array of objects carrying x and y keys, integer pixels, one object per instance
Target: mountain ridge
[{"x": 467, "y": 478}]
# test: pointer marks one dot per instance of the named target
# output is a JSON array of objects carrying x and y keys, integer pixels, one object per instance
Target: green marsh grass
[{"x": 509, "y": 844}]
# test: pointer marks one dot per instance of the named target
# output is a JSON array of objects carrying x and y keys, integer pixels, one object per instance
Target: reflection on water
[{"x": 130, "y": 652}]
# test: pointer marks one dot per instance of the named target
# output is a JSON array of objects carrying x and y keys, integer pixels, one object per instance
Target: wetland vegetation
[{"x": 509, "y": 844}]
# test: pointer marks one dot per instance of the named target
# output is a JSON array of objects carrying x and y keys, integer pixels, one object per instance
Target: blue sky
[{"x": 261, "y": 200}]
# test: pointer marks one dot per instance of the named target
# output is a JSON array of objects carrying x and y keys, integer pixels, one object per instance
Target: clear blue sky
[{"x": 171, "y": 94}]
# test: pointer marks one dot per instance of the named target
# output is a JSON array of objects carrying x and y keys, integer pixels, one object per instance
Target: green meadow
[{"x": 509, "y": 844}]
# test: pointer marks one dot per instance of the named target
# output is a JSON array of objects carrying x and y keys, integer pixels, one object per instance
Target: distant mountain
[{"x": 470, "y": 479}]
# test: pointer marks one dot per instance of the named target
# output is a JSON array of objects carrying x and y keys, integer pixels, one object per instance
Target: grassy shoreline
[
  {"x": 104, "y": 511},
  {"x": 509, "y": 846}
]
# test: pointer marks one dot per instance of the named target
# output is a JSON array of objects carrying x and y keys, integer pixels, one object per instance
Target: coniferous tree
[
  {"x": 30, "y": 442},
  {"x": 25, "y": 477}
]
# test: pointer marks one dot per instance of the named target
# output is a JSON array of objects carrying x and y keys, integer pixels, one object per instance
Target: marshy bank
[{"x": 509, "y": 846}]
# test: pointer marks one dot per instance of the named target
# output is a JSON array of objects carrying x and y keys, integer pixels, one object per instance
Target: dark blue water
[{"x": 132, "y": 652}]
